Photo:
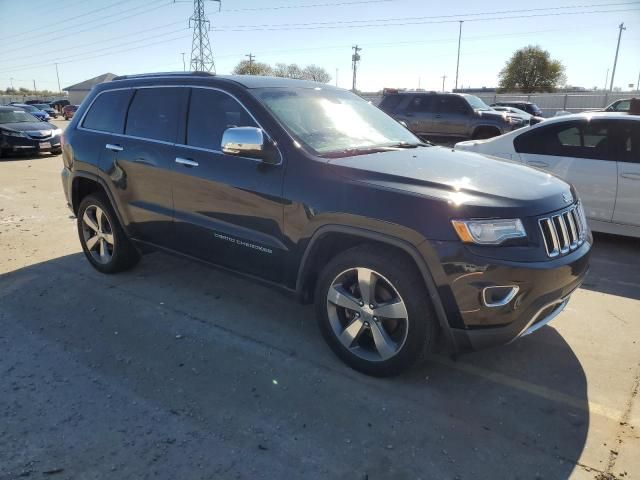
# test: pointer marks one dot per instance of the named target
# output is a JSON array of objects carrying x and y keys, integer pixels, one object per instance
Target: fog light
[{"x": 499, "y": 296}]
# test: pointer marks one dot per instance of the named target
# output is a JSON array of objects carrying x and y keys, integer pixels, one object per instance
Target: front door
[
  {"x": 228, "y": 209},
  {"x": 452, "y": 115},
  {"x": 418, "y": 114},
  {"x": 578, "y": 152}
]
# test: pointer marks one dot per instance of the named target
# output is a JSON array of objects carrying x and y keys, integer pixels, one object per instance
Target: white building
[{"x": 79, "y": 91}]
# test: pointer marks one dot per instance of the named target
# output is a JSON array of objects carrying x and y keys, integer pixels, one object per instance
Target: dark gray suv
[{"x": 447, "y": 116}]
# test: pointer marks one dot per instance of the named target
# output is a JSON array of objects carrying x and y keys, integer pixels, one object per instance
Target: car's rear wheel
[
  {"x": 374, "y": 311},
  {"x": 103, "y": 240}
]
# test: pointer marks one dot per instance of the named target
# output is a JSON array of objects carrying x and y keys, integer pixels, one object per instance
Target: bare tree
[
  {"x": 317, "y": 74},
  {"x": 252, "y": 68}
]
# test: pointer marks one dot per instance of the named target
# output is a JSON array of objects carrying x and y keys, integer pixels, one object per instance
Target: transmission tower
[{"x": 201, "y": 54}]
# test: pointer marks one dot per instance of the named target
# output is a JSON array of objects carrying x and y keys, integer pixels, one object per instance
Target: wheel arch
[
  {"x": 486, "y": 127},
  {"x": 84, "y": 184},
  {"x": 331, "y": 240}
]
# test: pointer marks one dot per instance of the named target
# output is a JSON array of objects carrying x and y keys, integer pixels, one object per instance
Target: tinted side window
[
  {"x": 154, "y": 113},
  {"x": 624, "y": 141},
  {"x": 210, "y": 113},
  {"x": 451, "y": 104},
  {"x": 108, "y": 111},
  {"x": 390, "y": 102},
  {"x": 421, "y": 103},
  {"x": 622, "y": 106},
  {"x": 572, "y": 139}
]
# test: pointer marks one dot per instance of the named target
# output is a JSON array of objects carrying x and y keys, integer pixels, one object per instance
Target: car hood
[
  {"x": 473, "y": 185},
  {"x": 27, "y": 126}
]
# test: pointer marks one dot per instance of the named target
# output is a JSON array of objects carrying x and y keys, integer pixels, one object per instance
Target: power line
[
  {"x": 39, "y": 29},
  {"x": 335, "y": 25},
  {"x": 282, "y": 7},
  {"x": 94, "y": 27}
]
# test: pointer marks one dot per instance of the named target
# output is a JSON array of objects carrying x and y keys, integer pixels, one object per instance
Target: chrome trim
[
  {"x": 532, "y": 326},
  {"x": 123, "y": 135},
  {"x": 186, "y": 161},
  {"x": 510, "y": 296},
  {"x": 567, "y": 230},
  {"x": 113, "y": 148}
]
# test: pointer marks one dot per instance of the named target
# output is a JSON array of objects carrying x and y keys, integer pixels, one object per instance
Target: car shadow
[
  {"x": 615, "y": 268},
  {"x": 17, "y": 157},
  {"x": 217, "y": 353}
]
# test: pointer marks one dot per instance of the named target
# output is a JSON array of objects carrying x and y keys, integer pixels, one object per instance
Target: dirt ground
[{"x": 175, "y": 370}]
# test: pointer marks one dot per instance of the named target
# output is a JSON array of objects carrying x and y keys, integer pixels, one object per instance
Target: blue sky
[{"x": 419, "y": 44}]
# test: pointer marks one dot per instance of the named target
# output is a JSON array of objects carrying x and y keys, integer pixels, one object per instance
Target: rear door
[
  {"x": 578, "y": 152},
  {"x": 143, "y": 161},
  {"x": 625, "y": 141},
  {"x": 228, "y": 209},
  {"x": 452, "y": 116}
]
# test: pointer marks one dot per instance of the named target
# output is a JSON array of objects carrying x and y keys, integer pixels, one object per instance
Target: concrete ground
[{"x": 175, "y": 370}]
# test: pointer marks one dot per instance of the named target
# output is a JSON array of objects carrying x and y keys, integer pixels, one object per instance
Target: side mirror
[
  {"x": 403, "y": 123},
  {"x": 248, "y": 142}
]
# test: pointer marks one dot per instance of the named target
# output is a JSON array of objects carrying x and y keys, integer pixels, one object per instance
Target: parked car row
[
  {"x": 21, "y": 131},
  {"x": 44, "y": 111}
]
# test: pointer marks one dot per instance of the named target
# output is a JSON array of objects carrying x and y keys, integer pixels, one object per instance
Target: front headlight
[
  {"x": 515, "y": 120},
  {"x": 57, "y": 131},
  {"x": 488, "y": 232},
  {"x": 11, "y": 133}
]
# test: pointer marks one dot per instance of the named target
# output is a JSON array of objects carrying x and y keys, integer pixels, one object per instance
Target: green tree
[
  {"x": 531, "y": 69},
  {"x": 253, "y": 68}
]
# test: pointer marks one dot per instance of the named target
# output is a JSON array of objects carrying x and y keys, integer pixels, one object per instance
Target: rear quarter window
[
  {"x": 390, "y": 102},
  {"x": 108, "y": 111}
]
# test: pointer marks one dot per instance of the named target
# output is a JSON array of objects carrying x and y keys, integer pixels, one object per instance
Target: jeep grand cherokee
[{"x": 312, "y": 188}]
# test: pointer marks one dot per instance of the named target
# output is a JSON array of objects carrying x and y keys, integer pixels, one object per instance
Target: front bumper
[
  {"x": 27, "y": 144},
  {"x": 542, "y": 290}
]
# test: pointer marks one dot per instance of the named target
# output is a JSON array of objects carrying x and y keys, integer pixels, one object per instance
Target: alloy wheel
[
  {"x": 367, "y": 314},
  {"x": 97, "y": 234}
]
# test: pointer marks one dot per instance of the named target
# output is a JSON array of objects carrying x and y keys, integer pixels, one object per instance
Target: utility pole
[
  {"x": 458, "y": 62},
  {"x": 58, "y": 76},
  {"x": 606, "y": 80},
  {"x": 11, "y": 80},
  {"x": 201, "y": 54},
  {"x": 34, "y": 87},
  {"x": 638, "y": 83},
  {"x": 336, "y": 77},
  {"x": 251, "y": 57},
  {"x": 355, "y": 59},
  {"x": 418, "y": 83},
  {"x": 184, "y": 66},
  {"x": 443, "y": 77},
  {"x": 615, "y": 61}
]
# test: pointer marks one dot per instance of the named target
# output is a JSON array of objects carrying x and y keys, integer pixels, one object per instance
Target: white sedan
[{"x": 597, "y": 152}]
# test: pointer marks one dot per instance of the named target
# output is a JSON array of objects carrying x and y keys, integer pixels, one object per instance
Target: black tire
[
  {"x": 121, "y": 254},
  {"x": 56, "y": 151},
  {"x": 420, "y": 327}
]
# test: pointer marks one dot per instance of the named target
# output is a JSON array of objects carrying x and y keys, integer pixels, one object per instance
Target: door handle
[
  {"x": 535, "y": 163},
  {"x": 113, "y": 147},
  {"x": 630, "y": 175},
  {"x": 186, "y": 161}
]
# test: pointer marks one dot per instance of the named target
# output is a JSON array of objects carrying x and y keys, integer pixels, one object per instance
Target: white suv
[{"x": 599, "y": 153}]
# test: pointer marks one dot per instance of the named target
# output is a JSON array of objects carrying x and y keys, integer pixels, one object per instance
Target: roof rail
[{"x": 164, "y": 74}]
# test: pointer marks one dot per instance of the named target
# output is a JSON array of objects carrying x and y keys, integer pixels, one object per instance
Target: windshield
[
  {"x": 476, "y": 103},
  {"x": 329, "y": 121},
  {"x": 16, "y": 116},
  {"x": 41, "y": 106}
]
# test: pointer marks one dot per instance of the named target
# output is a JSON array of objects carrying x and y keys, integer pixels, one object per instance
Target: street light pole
[
  {"x": 58, "y": 76},
  {"x": 458, "y": 62},
  {"x": 615, "y": 61}
]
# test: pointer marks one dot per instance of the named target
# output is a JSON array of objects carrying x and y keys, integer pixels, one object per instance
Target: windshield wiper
[{"x": 410, "y": 145}]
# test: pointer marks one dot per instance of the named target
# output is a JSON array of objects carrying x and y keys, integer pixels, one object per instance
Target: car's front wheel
[
  {"x": 103, "y": 240},
  {"x": 374, "y": 310}
]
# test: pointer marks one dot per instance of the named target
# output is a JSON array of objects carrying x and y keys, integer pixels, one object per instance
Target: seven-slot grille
[{"x": 565, "y": 231}]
